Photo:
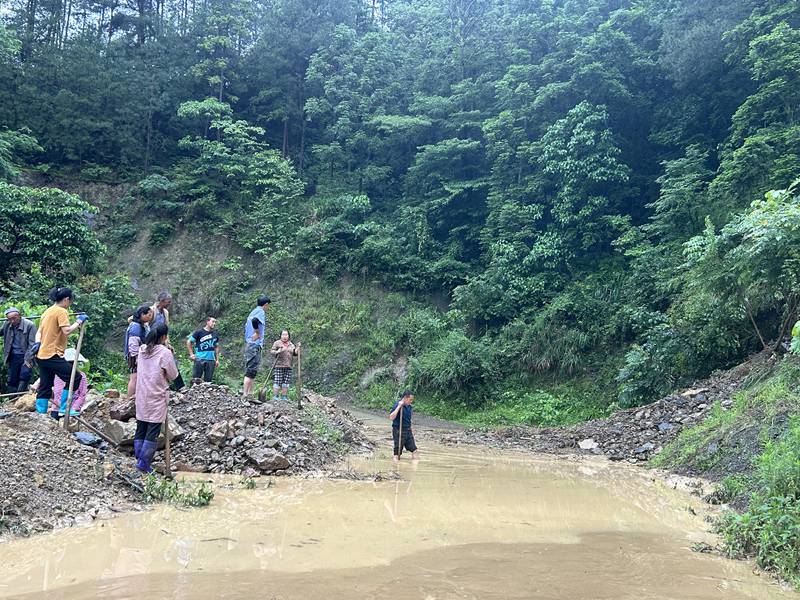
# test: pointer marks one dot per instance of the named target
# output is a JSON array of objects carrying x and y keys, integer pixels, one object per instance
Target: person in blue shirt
[
  {"x": 402, "y": 411},
  {"x": 203, "y": 346},
  {"x": 255, "y": 328}
]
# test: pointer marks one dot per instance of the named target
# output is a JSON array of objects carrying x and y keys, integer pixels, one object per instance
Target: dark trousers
[
  {"x": 48, "y": 369},
  {"x": 178, "y": 384},
  {"x": 147, "y": 431},
  {"x": 19, "y": 376},
  {"x": 408, "y": 440},
  {"x": 145, "y": 441},
  {"x": 204, "y": 369}
]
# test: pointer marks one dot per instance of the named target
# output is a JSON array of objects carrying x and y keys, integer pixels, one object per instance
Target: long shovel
[
  {"x": 400, "y": 436},
  {"x": 299, "y": 383},
  {"x": 262, "y": 393},
  {"x": 167, "y": 449},
  {"x": 72, "y": 375}
]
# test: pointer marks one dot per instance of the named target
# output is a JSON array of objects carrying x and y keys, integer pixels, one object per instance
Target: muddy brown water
[{"x": 461, "y": 524}]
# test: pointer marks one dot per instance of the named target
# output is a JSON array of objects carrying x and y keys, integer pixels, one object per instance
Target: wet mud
[{"x": 460, "y": 524}]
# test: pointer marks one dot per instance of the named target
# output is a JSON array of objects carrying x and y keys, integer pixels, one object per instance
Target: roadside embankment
[{"x": 636, "y": 435}]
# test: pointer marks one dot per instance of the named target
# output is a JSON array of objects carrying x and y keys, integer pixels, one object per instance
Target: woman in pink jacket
[{"x": 156, "y": 369}]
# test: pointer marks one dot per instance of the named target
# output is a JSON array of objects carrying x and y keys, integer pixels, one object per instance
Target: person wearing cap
[{"x": 18, "y": 335}]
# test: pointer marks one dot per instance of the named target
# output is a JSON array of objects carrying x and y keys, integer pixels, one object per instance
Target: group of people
[
  {"x": 152, "y": 364},
  {"x": 283, "y": 352}
]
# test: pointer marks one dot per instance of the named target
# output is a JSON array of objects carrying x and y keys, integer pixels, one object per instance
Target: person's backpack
[
  {"x": 30, "y": 354},
  {"x": 141, "y": 336}
]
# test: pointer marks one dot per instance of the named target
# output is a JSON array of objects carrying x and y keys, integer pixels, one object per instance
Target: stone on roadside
[
  {"x": 118, "y": 432},
  {"x": 111, "y": 394},
  {"x": 268, "y": 459},
  {"x": 220, "y": 432},
  {"x": 26, "y": 403},
  {"x": 587, "y": 444}
]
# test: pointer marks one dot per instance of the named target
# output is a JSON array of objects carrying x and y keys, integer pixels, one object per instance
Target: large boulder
[
  {"x": 267, "y": 459},
  {"x": 26, "y": 403},
  {"x": 176, "y": 433},
  {"x": 118, "y": 432},
  {"x": 124, "y": 410},
  {"x": 220, "y": 432}
]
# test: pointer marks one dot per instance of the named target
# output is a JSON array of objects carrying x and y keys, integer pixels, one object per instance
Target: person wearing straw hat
[{"x": 18, "y": 335}]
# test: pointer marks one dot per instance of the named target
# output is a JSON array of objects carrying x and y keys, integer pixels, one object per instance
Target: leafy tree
[{"x": 45, "y": 227}]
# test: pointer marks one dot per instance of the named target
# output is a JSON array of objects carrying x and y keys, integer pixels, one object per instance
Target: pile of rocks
[
  {"x": 214, "y": 430},
  {"x": 634, "y": 435},
  {"x": 50, "y": 480},
  {"x": 223, "y": 433}
]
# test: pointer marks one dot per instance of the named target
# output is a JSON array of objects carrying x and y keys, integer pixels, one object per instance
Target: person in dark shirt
[
  {"x": 402, "y": 411},
  {"x": 18, "y": 335},
  {"x": 203, "y": 346}
]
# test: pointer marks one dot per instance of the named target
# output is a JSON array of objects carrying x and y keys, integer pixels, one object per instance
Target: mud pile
[
  {"x": 50, "y": 479},
  {"x": 633, "y": 435}
]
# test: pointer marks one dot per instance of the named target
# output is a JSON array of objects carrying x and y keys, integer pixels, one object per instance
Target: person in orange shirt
[{"x": 54, "y": 328}]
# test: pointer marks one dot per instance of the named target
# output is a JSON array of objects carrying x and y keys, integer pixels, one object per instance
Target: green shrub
[
  {"x": 453, "y": 366},
  {"x": 651, "y": 369},
  {"x": 769, "y": 530},
  {"x": 160, "y": 233},
  {"x": 158, "y": 489}
]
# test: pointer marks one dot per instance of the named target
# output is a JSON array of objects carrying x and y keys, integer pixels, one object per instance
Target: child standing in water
[
  {"x": 283, "y": 350},
  {"x": 402, "y": 411},
  {"x": 156, "y": 369}
]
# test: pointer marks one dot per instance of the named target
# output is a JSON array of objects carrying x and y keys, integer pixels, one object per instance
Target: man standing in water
[
  {"x": 255, "y": 328},
  {"x": 400, "y": 416}
]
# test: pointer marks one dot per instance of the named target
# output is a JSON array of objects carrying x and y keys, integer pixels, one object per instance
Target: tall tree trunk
[
  {"x": 66, "y": 23},
  {"x": 148, "y": 137},
  {"x": 285, "y": 148},
  {"x": 30, "y": 26}
]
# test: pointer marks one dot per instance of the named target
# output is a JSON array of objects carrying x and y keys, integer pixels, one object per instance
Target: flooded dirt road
[{"x": 459, "y": 525}]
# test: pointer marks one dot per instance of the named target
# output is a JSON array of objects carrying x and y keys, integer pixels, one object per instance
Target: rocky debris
[
  {"x": 267, "y": 459},
  {"x": 49, "y": 479},
  {"x": 634, "y": 435},
  {"x": 225, "y": 433},
  {"x": 124, "y": 410}
]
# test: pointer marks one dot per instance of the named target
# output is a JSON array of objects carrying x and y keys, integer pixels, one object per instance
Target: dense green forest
[
  {"x": 529, "y": 211},
  {"x": 579, "y": 183}
]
